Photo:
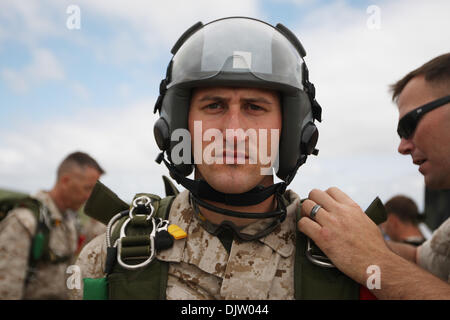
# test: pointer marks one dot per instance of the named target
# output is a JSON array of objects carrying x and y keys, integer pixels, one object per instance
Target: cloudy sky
[{"x": 90, "y": 85}]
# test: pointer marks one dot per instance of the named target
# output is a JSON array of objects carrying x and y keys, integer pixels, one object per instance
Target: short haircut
[
  {"x": 80, "y": 160},
  {"x": 436, "y": 71},
  {"x": 404, "y": 208}
]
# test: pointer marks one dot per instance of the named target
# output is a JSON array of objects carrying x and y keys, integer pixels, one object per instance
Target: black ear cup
[
  {"x": 310, "y": 135},
  {"x": 162, "y": 134}
]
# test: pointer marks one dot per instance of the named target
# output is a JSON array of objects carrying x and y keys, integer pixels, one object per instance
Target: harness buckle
[
  {"x": 142, "y": 206},
  {"x": 317, "y": 259},
  {"x": 151, "y": 247}
]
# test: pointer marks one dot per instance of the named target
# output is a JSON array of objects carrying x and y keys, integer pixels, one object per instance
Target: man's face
[
  {"x": 228, "y": 110},
  {"x": 429, "y": 145},
  {"x": 78, "y": 185}
]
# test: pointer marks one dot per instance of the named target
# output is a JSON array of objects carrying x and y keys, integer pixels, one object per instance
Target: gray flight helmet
[{"x": 241, "y": 52}]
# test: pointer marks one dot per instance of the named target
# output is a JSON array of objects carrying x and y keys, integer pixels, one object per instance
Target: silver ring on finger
[{"x": 314, "y": 211}]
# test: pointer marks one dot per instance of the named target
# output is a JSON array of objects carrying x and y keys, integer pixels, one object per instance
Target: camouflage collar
[
  {"x": 282, "y": 239},
  {"x": 46, "y": 200}
]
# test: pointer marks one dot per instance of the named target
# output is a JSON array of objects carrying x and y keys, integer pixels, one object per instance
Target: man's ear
[
  {"x": 64, "y": 180},
  {"x": 395, "y": 221}
]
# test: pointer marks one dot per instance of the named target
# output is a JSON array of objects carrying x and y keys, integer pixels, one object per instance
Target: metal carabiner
[
  {"x": 142, "y": 200},
  {"x": 319, "y": 260},
  {"x": 162, "y": 225},
  {"x": 119, "y": 248}
]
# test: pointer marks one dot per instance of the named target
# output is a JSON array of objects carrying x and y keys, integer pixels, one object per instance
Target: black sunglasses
[{"x": 409, "y": 121}]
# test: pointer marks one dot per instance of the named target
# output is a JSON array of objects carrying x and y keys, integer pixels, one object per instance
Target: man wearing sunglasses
[{"x": 354, "y": 244}]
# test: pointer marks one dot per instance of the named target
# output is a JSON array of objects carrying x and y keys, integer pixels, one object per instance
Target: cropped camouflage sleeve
[
  {"x": 434, "y": 254},
  {"x": 16, "y": 232},
  {"x": 91, "y": 262}
]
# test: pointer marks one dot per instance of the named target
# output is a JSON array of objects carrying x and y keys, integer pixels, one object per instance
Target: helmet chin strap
[
  {"x": 280, "y": 213},
  {"x": 201, "y": 191}
]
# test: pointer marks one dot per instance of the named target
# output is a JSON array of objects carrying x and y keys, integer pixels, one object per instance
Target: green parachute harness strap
[
  {"x": 120, "y": 283},
  {"x": 38, "y": 245},
  {"x": 39, "y": 249},
  {"x": 313, "y": 282},
  {"x": 40, "y": 239},
  {"x": 103, "y": 204}
]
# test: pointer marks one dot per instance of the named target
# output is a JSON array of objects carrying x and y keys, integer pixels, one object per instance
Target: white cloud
[
  {"x": 44, "y": 66},
  {"x": 80, "y": 90},
  {"x": 145, "y": 30},
  {"x": 28, "y": 21},
  {"x": 14, "y": 80},
  {"x": 169, "y": 18},
  {"x": 121, "y": 139},
  {"x": 124, "y": 90}
]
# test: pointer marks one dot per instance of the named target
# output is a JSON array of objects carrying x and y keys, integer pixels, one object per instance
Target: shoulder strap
[
  {"x": 314, "y": 282},
  {"x": 149, "y": 282},
  {"x": 39, "y": 246},
  {"x": 169, "y": 187},
  {"x": 164, "y": 211},
  {"x": 103, "y": 204},
  {"x": 164, "y": 207},
  {"x": 41, "y": 232},
  {"x": 18, "y": 201}
]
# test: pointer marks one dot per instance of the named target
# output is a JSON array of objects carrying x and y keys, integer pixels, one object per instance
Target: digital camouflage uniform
[
  {"x": 201, "y": 268},
  {"x": 88, "y": 229},
  {"x": 16, "y": 234},
  {"x": 434, "y": 254}
]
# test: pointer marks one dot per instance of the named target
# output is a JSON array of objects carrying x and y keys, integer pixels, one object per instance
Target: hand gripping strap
[{"x": 314, "y": 282}]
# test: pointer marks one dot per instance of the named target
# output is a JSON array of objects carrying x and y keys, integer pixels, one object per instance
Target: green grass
[{"x": 8, "y": 193}]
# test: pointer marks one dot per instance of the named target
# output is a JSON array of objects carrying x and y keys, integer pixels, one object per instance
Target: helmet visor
[{"x": 236, "y": 46}]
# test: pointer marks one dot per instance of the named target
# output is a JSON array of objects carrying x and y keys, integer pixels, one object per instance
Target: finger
[
  {"x": 339, "y": 196},
  {"x": 309, "y": 227},
  {"x": 322, "y": 198},
  {"x": 306, "y": 209}
]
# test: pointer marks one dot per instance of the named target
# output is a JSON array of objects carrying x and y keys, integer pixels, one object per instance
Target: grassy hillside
[{"x": 7, "y": 193}]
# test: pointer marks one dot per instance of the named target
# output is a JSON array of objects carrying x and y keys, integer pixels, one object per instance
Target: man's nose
[
  {"x": 406, "y": 146},
  {"x": 233, "y": 118},
  {"x": 234, "y": 127}
]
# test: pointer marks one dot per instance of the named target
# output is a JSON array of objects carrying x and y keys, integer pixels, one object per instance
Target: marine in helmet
[{"x": 227, "y": 82}]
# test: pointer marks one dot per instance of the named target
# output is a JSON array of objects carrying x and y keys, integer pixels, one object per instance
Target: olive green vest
[{"x": 310, "y": 281}]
